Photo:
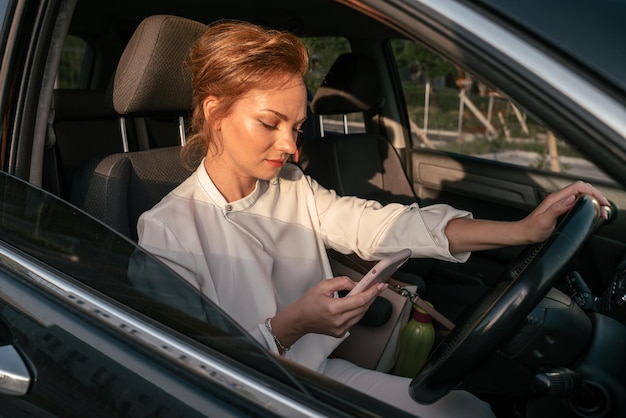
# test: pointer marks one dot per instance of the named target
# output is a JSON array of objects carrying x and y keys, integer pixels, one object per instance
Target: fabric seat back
[
  {"x": 360, "y": 164},
  {"x": 151, "y": 80},
  {"x": 82, "y": 129},
  {"x": 120, "y": 187}
]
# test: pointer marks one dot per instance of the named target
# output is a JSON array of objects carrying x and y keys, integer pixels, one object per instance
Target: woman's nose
[{"x": 287, "y": 142}]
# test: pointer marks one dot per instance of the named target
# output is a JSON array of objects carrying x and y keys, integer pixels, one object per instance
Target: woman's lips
[{"x": 276, "y": 163}]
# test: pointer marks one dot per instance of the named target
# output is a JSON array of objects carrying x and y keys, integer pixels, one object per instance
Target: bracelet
[{"x": 280, "y": 345}]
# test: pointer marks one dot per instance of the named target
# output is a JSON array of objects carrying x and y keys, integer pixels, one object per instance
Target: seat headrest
[
  {"x": 351, "y": 85},
  {"x": 151, "y": 77}
]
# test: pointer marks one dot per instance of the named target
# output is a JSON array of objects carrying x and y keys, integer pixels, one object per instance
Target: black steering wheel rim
[{"x": 502, "y": 310}]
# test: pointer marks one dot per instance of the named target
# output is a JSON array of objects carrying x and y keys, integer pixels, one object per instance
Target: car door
[
  {"x": 491, "y": 135},
  {"x": 71, "y": 346},
  {"x": 91, "y": 325}
]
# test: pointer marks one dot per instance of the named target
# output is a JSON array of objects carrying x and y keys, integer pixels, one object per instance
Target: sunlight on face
[{"x": 260, "y": 133}]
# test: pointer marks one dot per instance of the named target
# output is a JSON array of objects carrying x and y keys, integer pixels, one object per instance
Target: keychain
[{"x": 415, "y": 298}]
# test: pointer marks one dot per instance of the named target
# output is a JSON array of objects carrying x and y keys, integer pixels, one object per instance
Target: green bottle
[{"x": 415, "y": 342}]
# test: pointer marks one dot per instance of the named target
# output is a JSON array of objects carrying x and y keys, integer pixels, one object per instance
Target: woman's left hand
[{"x": 540, "y": 223}]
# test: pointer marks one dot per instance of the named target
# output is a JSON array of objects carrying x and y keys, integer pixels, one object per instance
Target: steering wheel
[{"x": 501, "y": 311}]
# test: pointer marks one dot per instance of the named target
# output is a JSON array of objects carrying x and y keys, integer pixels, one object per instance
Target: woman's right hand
[{"x": 319, "y": 311}]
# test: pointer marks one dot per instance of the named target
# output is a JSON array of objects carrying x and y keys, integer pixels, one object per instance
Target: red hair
[{"x": 229, "y": 60}]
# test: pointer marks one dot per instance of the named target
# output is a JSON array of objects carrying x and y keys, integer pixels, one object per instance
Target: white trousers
[{"x": 394, "y": 390}]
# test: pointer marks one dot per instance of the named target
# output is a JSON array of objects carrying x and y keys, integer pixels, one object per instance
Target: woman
[{"x": 250, "y": 231}]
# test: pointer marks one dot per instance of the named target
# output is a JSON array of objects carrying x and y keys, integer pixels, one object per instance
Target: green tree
[
  {"x": 322, "y": 53},
  {"x": 416, "y": 61}
]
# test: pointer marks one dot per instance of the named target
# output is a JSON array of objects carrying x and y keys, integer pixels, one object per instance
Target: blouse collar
[{"x": 218, "y": 199}]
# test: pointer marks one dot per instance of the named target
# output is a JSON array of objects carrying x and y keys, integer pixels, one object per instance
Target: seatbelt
[{"x": 354, "y": 262}]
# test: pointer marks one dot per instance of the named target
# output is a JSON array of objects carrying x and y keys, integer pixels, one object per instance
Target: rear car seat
[{"x": 82, "y": 129}]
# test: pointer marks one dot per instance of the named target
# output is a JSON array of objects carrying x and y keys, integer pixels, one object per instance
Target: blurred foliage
[
  {"x": 416, "y": 62},
  {"x": 71, "y": 63},
  {"x": 322, "y": 54}
]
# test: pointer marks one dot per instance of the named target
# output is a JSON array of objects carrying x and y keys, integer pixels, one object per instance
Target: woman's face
[{"x": 260, "y": 133}]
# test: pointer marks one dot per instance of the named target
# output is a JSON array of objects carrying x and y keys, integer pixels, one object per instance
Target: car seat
[
  {"x": 356, "y": 164},
  {"x": 77, "y": 114},
  {"x": 365, "y": 165},
  {"x": 150, "y": 80}
]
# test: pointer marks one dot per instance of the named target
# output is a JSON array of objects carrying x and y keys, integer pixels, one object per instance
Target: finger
[
  {"x": 575, "y": 189},
  {"x": 336, "y": 284},
  {"x": 586, "y": 188},
  {"x": 603, "y": 201},
  {"x": 567, "y": 203},
  {"x": 365, "y": 298}
]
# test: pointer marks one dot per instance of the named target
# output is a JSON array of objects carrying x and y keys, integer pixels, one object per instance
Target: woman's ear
[{"x": 208, "y": 106}]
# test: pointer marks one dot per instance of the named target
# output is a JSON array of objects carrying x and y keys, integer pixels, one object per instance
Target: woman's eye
[{"x": 268, "y": 126}]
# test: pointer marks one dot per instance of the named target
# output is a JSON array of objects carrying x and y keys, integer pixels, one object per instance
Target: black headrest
[
  {"x": 151, "y": 77},
  {"x": 351, "y": 85}
]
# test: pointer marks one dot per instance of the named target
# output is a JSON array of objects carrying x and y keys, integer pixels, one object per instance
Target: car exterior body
[{"x": 77, "y": 338}]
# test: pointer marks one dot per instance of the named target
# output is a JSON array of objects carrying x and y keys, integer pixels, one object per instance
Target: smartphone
[{"x": 381, "y": 271}]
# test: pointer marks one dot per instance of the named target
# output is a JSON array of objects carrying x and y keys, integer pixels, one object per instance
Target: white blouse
[{"x": 255, "y": 256}]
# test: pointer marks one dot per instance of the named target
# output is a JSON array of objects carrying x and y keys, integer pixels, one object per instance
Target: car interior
[
  {"x": 118, "y": 188},
  {"x": 113, "y": 141},
  {"x": 355, "y": 164}
]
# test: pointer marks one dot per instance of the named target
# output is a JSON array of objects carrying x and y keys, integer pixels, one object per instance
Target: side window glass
[
  {"x": 75, "y": 249},
  {"x": 450, "y": 110},
  {"x": 72, "y": 63},
  {"x": 323, "y": 52},
  {"x": 4, "y": 5}
]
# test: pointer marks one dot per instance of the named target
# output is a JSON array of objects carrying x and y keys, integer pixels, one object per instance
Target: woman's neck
[{"x": 231, "y": 186}]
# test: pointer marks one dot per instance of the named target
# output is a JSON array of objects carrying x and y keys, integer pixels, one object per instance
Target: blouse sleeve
[{"x": 371, "y": 230}]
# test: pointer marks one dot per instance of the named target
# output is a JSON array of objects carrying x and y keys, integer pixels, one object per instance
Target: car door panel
[
  {"x": 493, "y": 190},
  {"x": 74, "y": 362}
]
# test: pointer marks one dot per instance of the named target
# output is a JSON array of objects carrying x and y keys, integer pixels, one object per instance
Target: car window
[
  {"x": 451, "y": 110},
  {"x": 91, "y": 255},
  {"x": 4, "y": 4},
  {"x": 72, "y": 63},
  {"x": 322, "y": 52}
]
